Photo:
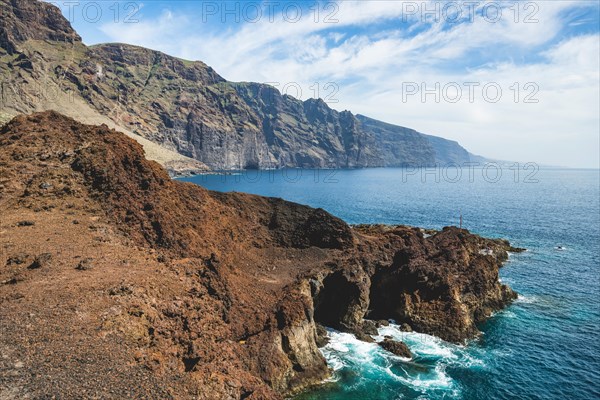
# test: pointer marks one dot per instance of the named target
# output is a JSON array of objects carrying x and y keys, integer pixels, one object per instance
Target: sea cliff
[{"x": 187, "y": 116}]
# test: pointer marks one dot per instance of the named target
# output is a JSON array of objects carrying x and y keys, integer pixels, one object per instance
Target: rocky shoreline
[{"x": 188, "y": 293}]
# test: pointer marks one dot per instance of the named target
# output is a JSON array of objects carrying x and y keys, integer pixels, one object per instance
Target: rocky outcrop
[
  {"x": 399, "y": 349},
  {"x": 444, "y": 285},
  {"x": 208, "y": 294},
  {"x": 187, "y": 107}
]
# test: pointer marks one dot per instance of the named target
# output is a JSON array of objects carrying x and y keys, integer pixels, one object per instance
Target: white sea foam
[
  {"x": 506, "y": 281},
  {"x": 339, "y": 341},
  {"x": 345, "y": 351},
  {"x": 419, "y": 343},
  {"x": 526, "y": 299}
]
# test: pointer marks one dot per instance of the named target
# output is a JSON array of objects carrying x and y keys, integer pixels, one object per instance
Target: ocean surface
[{"x": 545, "y": 346}]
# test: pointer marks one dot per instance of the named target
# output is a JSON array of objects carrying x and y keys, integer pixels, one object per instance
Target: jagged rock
[
  {"x": 43, "y": 260},
  {"x": 364, "y": 337},
  {"x": 17, "y": 259},
  {"x": 24, "y": 20},
  {"x": 121, "y": 290},
  {"x": 84, "y": 265},
  {"x": 409, "y": 290},
  {"x": 397, "y": 348},
  {"x": 369, "y": 327},
  {"x": 162, "y": 258}
]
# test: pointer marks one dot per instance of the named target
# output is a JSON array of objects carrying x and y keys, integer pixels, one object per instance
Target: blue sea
[{"x": 544, "y": 346}]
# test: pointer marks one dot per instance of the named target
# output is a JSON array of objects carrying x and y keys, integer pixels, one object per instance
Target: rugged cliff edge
[
  {"x": 116, "y": 281},
  {"x": 185, "y": 109}
]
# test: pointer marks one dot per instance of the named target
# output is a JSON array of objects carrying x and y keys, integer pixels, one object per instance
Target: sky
[{"x": 508, "y": 80}]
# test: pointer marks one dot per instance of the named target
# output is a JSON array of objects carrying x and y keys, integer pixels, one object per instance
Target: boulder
[
  {"x": 399, "y": 349},
  {"x": 364, "y": 337}
]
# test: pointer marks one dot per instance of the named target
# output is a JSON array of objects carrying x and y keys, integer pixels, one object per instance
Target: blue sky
[{"x": 508, "y": 80}]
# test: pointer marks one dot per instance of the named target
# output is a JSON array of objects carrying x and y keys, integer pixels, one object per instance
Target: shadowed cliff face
[
  {"x": 182, "y": 290},
  {"x": 187, "y": 107}
]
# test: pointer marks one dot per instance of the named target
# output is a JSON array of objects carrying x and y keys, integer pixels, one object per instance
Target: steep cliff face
[
  {"x": 401, "y": 146},
  {"x": 134, "y": 285},
  {"x": 24, "y": 20},
  {"x": 309, "y": 134},
  {"x": 186, "y": 107},
  {"x": 183, "y": 106}
]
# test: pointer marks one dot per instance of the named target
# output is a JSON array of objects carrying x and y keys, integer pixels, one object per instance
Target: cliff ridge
[{"x": 188, "y": 110}]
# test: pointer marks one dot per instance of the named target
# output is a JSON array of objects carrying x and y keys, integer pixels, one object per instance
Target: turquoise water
[{"x": 545, "y": 346}]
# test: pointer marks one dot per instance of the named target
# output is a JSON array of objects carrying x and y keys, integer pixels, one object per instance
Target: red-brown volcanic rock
[{"x": 188, "y": 293}]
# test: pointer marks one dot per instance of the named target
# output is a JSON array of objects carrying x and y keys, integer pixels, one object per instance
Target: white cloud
[{"x": 372, "y": 64}]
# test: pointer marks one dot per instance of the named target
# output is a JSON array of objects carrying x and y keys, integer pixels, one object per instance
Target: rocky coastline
[{"x": 188, "y": 293}]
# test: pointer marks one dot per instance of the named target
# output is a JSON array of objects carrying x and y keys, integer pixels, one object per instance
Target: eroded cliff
[{"x": 186, "y": 108}]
